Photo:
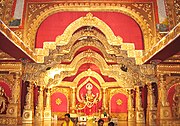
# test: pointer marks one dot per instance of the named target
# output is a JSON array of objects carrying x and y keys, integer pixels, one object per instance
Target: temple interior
[{"x": 110, "y": 59}]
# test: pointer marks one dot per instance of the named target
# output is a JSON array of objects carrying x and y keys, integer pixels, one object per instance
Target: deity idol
[
  {"x": 89, "y": 95},
  {"x": 89, "y": 99},
  {"x": 3, "y": 101}
]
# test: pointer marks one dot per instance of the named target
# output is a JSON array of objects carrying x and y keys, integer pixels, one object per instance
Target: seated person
[
  {"x": 100, "y": 122},
  {"x": 110, "y": 124},
  {"x": 67, "y": 121}
]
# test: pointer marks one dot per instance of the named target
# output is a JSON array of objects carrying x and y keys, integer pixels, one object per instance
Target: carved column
[
  {"x": 104, "y": 99},
  {"x": 139, "y": 109},
  {"x": 14, "y": 105},
  {"x": 151, "y": 108},
  {"x": 47, "y": 111},
  {"x": 163, "y": 104},
  {"x": 40, "y": 107},
  {"x": 73, "y": 99},
  {"x": 131, "y": 116},
  {"x": 28, "y": 113}
]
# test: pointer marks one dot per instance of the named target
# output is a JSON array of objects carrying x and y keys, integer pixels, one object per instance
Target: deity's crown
[{"x": 89, "y": 86}]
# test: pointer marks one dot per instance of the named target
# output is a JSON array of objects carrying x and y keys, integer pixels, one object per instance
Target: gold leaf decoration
[
  {"x": 119, "y": 102},
  {"x": 58, "y": 101}
]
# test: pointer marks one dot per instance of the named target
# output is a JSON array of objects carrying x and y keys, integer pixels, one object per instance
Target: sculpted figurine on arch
[{"x": 3, "y": 101}]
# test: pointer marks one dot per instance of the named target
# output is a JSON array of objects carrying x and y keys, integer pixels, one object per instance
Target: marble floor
[{"x": 120, "y": 123}]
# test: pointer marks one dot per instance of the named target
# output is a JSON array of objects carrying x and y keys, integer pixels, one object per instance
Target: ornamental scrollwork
[
  {"x": 56, "y": 7},
  {"x": 19, "y": 33},
  {"x": 145, "y": 7}
]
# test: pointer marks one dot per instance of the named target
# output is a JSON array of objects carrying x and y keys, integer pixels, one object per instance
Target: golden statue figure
[
  {"x": 28, "y": 98},
  {"x": 3, "y": 101},
  {"x": 89, "y": 99}
]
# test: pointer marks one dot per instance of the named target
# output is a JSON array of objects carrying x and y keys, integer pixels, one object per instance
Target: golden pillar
[
  {"x": 151, "y": 107},
  {"x": 14, "y": 103},
  {"x": 47, "y": 111},
  {"x": 104, "y": 99},
  {"x": 163, "y": 104},
  {"x": 28, "y": 112},
  {"x": 73, "y": 100},
  {"x": 40, "y": 107},
  {"x": 139, "y": 109},
  {"x": 131, "y": 114}
]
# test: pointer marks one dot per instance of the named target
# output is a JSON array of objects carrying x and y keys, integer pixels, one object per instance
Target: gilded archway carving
[
  {"x": 113, "y": 92},
  {"x": 89, "y": 20},
  {"x": 131, "y": 10},
  {"x": 91, "y": 73},
  {"x": 116, "y": 91},
  {"x": 112, "y": 71},
  {"x": 8, "y": 80},
  {"x": 64, "y": 91},
  {"x": 172, "y": 82},
  {"x": 68, "y": 51}
]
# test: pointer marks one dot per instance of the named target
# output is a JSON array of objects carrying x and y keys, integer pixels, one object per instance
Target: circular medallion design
[
  {"x": 11, "y": 110},
  {"x": 140, "y": 115},
  {"x": 166, "y": 113},
  {"x": 153, "y": 116},
  {"x": 26, "y": 115}
]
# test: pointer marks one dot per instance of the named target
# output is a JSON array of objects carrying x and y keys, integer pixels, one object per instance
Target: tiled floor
[{"x": 120, "y": 123}]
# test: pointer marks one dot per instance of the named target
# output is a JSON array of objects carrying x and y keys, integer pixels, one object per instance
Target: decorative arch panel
[
  {"x": 173, "y": 98},
  {"x": 59, "y": 102},
  {"x": 118, "y": 103}
]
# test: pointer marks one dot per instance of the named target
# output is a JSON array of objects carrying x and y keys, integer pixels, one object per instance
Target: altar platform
[{"x": 120, "y": 123}]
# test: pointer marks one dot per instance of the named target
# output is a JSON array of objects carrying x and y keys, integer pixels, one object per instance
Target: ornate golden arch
[
  {"x": 91, "y": 73},
  {"x": 89, "y": 20},
  {"x": 35, "y": 22},
  {"x": 64, "y": 91},
  {"x": 123, "y": 79},
  {"x": 172, "y": 82}
]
